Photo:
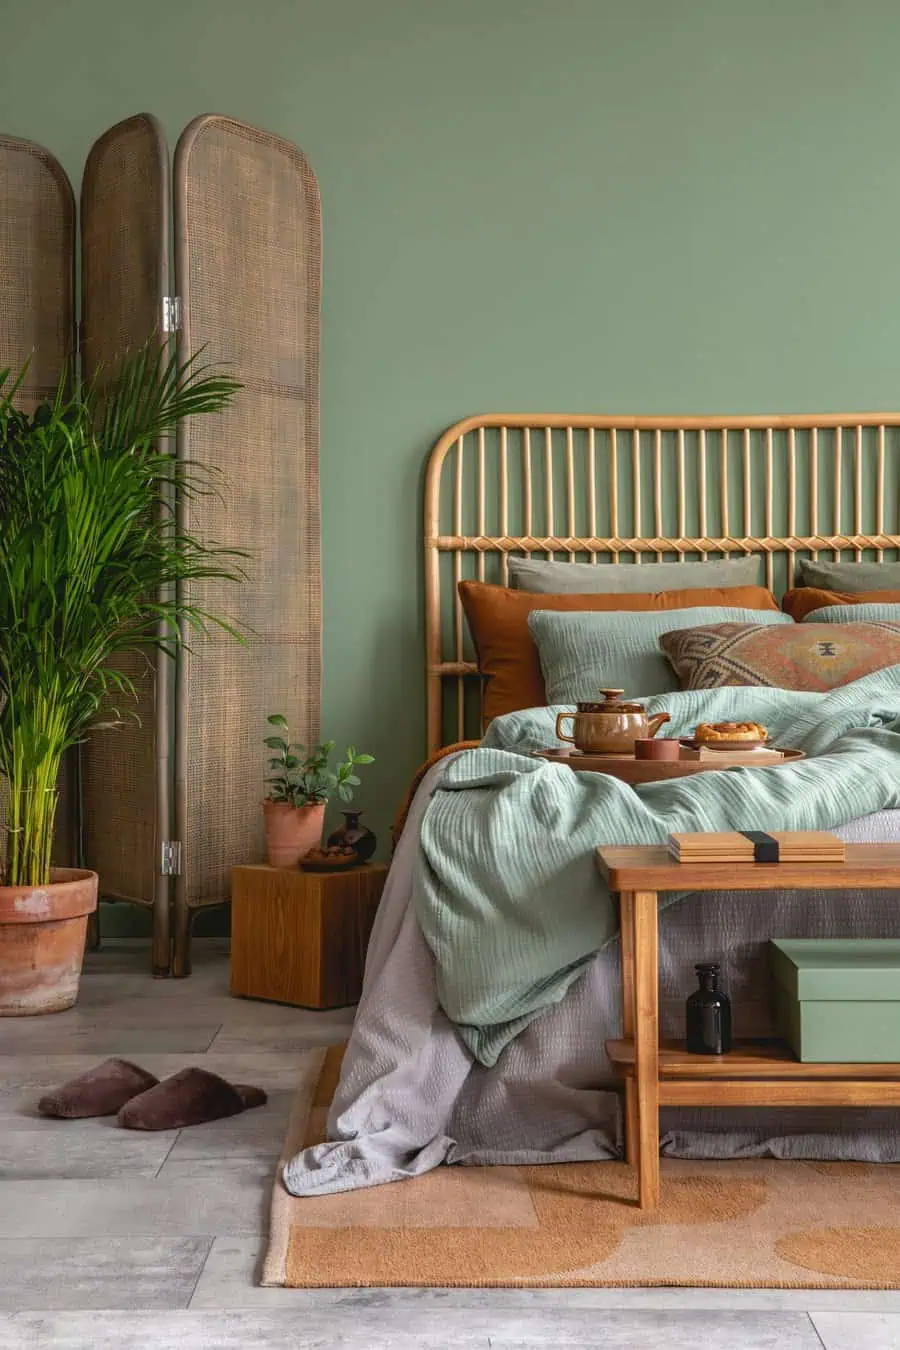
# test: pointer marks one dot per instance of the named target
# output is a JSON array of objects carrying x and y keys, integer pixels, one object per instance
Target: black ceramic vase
[
  {"x": 353, "y": 835},
  {"x": 708, "y": 1015}
]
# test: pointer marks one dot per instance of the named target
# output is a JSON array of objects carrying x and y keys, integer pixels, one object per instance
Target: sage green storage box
[{"x": 837, "y": 1000}]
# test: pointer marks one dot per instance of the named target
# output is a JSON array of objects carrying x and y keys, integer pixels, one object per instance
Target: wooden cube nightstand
[{"x": 301, "y": 937}]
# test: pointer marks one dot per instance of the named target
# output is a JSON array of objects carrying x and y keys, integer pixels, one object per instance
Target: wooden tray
[{"x": 632, "y": 770}]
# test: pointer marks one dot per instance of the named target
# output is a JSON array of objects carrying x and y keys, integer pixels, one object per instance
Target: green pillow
[
  {"x": 871, "y": 613},
  {"x": 848, "y": 577},
  {"x": 582, "y": 653},
  {"x": 564, "y": 578}
]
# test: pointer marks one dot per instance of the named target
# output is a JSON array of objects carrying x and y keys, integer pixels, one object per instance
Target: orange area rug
[{"x": 756, "y": 1224}]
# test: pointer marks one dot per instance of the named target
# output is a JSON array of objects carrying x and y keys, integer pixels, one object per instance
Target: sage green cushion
[
  {"x": 582, "y": 653},
  {"x": 565, "y": 578},
  {"x": 849, "y": 577},
  {"x": 869, "y": 613}
]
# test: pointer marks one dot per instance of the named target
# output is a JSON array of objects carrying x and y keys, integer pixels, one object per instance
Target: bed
[{"x": 600, "y": 489}]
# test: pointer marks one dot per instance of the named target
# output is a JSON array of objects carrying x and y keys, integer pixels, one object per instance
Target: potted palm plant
[
  {"x": 301, "y": 784},
  {"x": 93, "y": 565}
]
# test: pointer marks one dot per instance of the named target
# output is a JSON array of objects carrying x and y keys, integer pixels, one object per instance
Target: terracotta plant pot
[
  {"x": 42, "y": 933},
  {"x": 292, "y": 831}
]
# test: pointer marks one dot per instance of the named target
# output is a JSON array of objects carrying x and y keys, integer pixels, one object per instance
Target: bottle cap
[{"x": 708, "y": 968}]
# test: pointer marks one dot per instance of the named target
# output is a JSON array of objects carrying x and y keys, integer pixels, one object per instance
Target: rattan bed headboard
[{"x": 641, "y": 489}]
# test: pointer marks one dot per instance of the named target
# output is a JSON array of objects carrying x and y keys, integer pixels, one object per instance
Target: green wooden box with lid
[{"x": 837, "y": 1000}]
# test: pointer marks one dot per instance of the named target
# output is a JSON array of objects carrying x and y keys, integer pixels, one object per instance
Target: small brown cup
[{"x": 662, "y": 747}]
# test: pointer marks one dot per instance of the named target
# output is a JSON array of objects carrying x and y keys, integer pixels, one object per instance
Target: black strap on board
[{"x": 765, "y": 846}]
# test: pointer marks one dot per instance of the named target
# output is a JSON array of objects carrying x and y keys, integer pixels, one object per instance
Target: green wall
[{"x": 595, "y": 205}]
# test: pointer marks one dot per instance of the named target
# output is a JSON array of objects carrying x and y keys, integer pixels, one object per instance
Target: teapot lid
[{"x": 612, "y": 704}]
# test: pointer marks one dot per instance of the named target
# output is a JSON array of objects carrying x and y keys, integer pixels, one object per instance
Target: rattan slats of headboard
[{"x": 610, "y": 489}]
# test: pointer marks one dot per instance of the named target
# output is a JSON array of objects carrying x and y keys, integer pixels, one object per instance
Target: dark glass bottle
[
  {"x": 708, "y": 1014},
  {"x": 359, "y": 837}
]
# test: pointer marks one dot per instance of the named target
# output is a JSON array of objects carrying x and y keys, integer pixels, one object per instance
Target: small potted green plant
[{"x": 300, "y": 787}]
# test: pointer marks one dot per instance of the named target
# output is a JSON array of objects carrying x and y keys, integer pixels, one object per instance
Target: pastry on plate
[{"x": 709, "y": 733}]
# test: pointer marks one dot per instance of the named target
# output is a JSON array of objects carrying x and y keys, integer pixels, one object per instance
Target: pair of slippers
[{"x": 141, "y": 1102}]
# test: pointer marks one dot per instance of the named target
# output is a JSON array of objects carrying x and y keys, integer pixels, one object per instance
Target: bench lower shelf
[{"x": 761, "y": 1073}]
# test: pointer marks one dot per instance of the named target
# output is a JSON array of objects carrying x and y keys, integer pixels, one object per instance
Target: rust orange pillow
[
  {"x": 507, "y": 656},
  {"x": 804, "y": 599},
  {"x": 800, "y": 656}
]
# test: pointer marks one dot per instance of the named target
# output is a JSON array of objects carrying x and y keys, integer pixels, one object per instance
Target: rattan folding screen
[{"x": 171, "y": 800}]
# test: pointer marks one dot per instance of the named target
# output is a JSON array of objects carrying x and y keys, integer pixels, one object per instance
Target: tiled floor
[{"x": 116, "y": 1240}]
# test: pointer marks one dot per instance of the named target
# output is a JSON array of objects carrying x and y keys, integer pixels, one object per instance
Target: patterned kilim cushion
[{"x": 813, "y": 656}]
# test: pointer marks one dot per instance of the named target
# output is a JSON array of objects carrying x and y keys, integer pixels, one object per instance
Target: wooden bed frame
[{"x": 600, "y": 488}]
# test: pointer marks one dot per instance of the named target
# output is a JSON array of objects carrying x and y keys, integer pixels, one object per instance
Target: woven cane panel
[
  {"x": 119, "y": 768},
  {"x": 37, "y": 321},
  {"x": 124, "y": 240},
  {"x": 225, "y": 815},
  {"x": 125, "y": 273},
  {"x": 249, "y": 272},
  {"x": 37, "y": 257}
]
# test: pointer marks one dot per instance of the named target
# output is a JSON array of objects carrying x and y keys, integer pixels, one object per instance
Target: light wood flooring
[{"x": 117, "y": 1241}]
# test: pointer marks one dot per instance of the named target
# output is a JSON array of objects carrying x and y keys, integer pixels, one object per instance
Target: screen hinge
[
  {"x": 170, "y": 862},
  {"x": 171, "y": 313}
]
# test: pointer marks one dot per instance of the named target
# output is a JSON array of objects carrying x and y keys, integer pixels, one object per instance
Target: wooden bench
[{"x": 753, "y": 1074}]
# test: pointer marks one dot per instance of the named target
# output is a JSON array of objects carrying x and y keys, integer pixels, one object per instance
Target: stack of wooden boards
[{"x": 733, "y": 846}]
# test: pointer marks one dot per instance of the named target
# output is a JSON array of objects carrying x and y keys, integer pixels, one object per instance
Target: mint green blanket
[{"x": 506, "y": 890}]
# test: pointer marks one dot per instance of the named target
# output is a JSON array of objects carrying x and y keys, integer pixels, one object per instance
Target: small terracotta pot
[
  {"x": 42, "y": 933},
  {"x": 292, "y": 831},
  {"x": 664, "y": 747}
]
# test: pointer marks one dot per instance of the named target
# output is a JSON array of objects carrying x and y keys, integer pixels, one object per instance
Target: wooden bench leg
[
  {"x": 646, "y": 1045},
  {"x": 632, "y": 1128},
  {"x": 626, "y": 960}
]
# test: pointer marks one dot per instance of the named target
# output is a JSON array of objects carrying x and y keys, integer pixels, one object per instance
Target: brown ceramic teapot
[{"x": 610, "y": 727}]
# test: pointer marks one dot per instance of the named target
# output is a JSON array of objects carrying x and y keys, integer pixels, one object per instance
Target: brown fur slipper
[
  {"x": 99, "y": 1092},
  {"x": 189, "y": 1097}
]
